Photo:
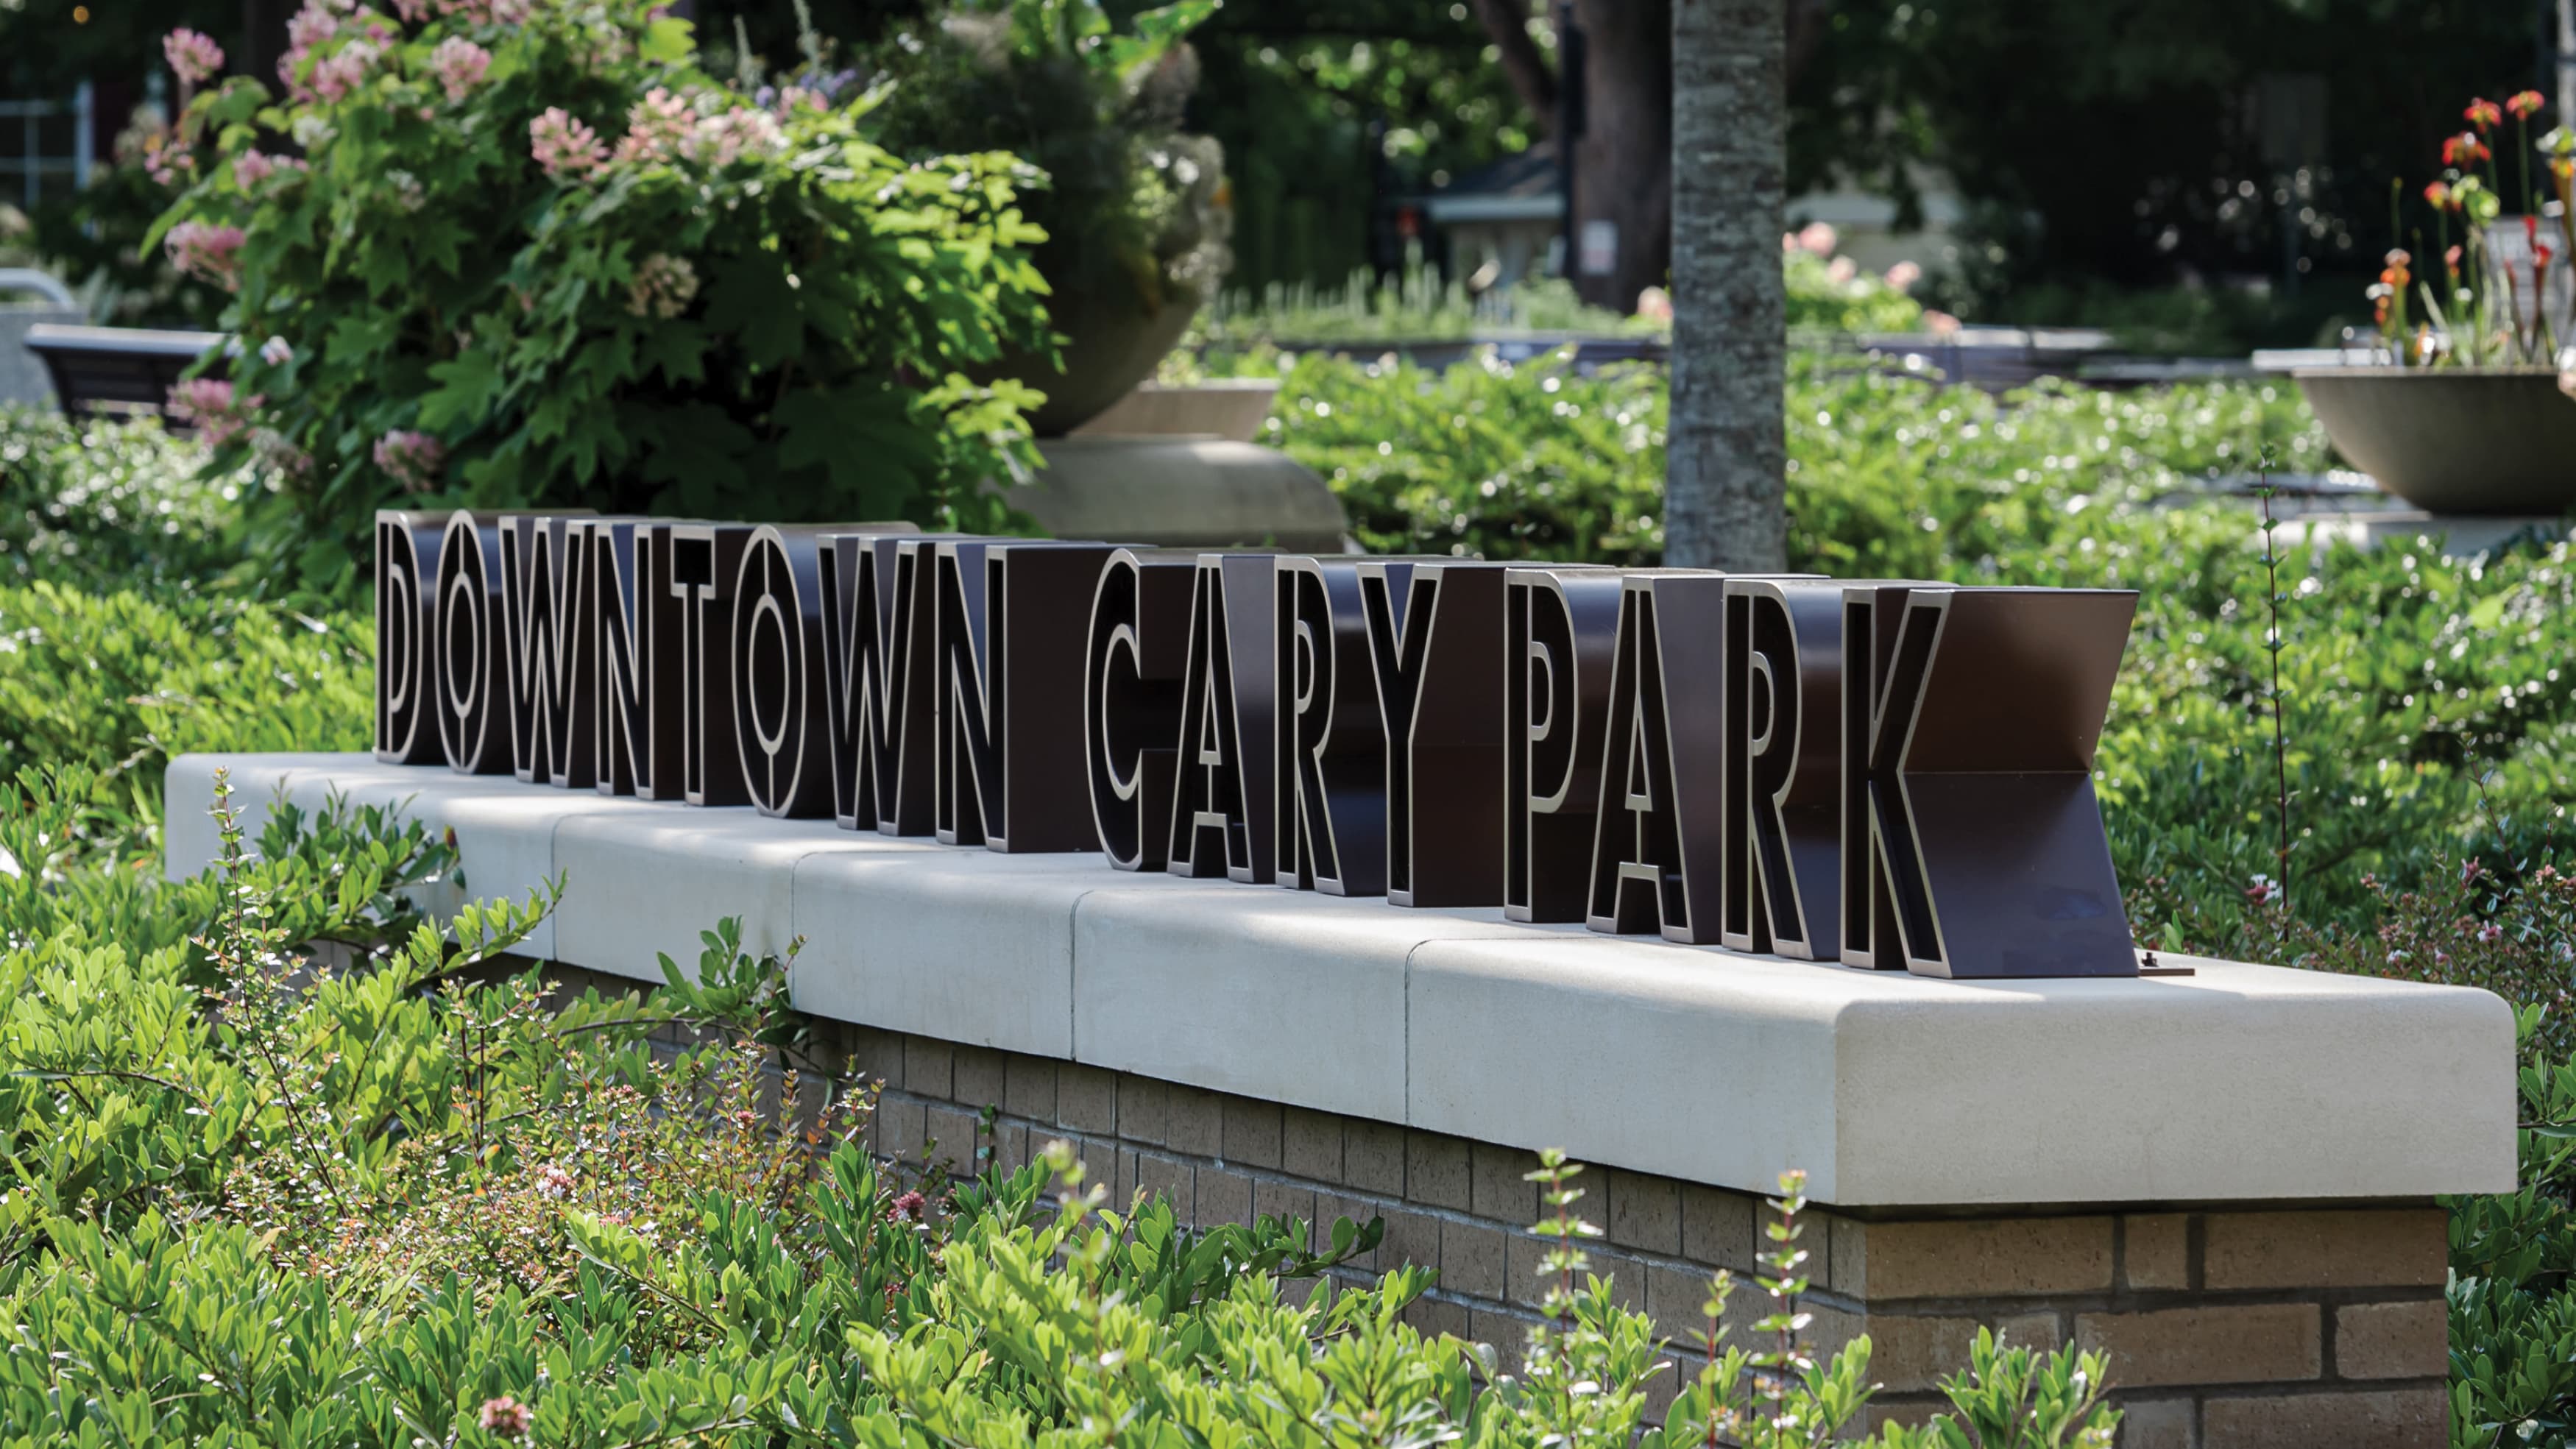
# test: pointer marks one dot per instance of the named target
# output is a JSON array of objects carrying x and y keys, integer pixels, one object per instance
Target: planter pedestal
[{"x": 1182, "y": 492}]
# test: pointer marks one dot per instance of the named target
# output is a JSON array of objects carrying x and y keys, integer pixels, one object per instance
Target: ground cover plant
[{"x": 399, "y": 1195}]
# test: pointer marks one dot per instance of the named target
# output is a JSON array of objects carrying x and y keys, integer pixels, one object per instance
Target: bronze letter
[
  {"x": 407, "y": 547},
  {"x": 705, "y": 560},
  {"x": 1972, "y": 840},
  {"x": 1433, "y": 630},
  {"x": 1332, "y": 745},
  {"x": 1561, "y": 626},
  {"x": 1223, "y": 801},
  {"x": 1011, "y": 621},
  {"x": 1784, "y": 743},
  {"x": 1131, "y": 701}
]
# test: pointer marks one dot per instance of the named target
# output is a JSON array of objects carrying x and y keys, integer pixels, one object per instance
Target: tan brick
[
  {"x": 1625, "y": 1275},
  {"x": 1432, "y": 1317},
  {"x": 1272, "y": 1199},
  {"x": 2360, "y": 1248},
  {"x": 1086, "y": 1099},
  {"x": 1251, "y": 1132},
  {"x": 1225, "y": 1196},
  {"x": 1973, "y": 1258},
  {"x": 1435, "y": 1170},
  {"x": 1310, "y": 1145},
  {"x": 1506, "y": 1334},
  {"x": 2383, "y": 1419},
  {"x": 901, "y": 1121},
  {"x": 952, "y": 1134},
  {"x": 1144, "y": 1110},
  {"x": 1910, "y": 1354},
  {"x": 2392, "y": 1340},
  {"x": 928, "y": 1067},
  {"x": 982, "y": 1076},
  {"x": 1643, "y": 1212},
  {"x": 1195, "y": 1122},
  {"x": 1473, "y": 1259},
  {"x": 2255, "y": 1343},
  {"x": 1522, "y": 1284},
  {"x": 1170, "y": 1179},
  {"x": 1717, "y": 1227},
  {"x": 875, "y": 1055},
  {"x": 2159, "y": 1424},
  {"x": 1411, "y": 1237},
  {"x": 1373, "y": 1156},
  {"x": 1029, "y": 1087},
  {"x": 1675, "y": 1299},
  {"x": 1496, "y": 1189},
  {"x": 1011, "y": 1145},
  {"x": 2155, "y": 1250}
]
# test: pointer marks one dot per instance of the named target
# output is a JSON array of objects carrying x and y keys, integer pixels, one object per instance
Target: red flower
[
  {"x": 907, "y": 1208},
  {"x": 2451, "y": 262},
  {"x": 2483, "y": 113},
  {"x": 2464, "y": 148},
  {"x": 2439, "y": 194},
  {"x": 504, "y": 1418},
  {"x": 2525, "y": 105}
]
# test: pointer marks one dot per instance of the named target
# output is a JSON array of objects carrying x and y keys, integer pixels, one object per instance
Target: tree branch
[{"x": 1507, "y": 21}]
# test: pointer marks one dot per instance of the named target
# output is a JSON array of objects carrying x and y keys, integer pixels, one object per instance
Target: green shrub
[
  {"x": 409, "y": 1198},
  {"x": 115, "y": 684},
  {"x": 529, "y": 254},
  {"x": 95, "y": 504}
]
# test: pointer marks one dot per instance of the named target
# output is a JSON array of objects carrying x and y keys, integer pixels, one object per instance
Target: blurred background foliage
[{"x": 2163, "y": 168}]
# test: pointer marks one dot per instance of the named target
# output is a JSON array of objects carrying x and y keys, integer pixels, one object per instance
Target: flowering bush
[
  {"x": 1831, "y": 293},
  {"x": 522, "y": 252},
  {"x": 2483, "y": 302}
]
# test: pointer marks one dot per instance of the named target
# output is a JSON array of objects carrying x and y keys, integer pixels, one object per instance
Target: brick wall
[{"x": 2227, "y": 1328}]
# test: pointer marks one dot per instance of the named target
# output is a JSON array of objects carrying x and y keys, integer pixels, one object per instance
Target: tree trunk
[
  {"x": 1507, "y": 22},
  {"x": 1623, "y": 165},
  {"x": 1727, "y": 444}
]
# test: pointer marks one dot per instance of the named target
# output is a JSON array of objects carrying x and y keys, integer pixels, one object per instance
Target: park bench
[{"x": 118, "y": 371}]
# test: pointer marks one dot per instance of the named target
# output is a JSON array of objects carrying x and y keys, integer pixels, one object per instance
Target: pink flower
[
  {"x": 655, "y": 127},
  {"x": 276, "y": 352},
  {"x": 1939, "y": 324},
  {"x": 1655, "y": 305},
  {"x": 1904, "y": 275},
  {"x": 566, "y": 149},
  {"x": 310, "y": 26},
  {"x": 1842, "y": 269},
  {"x": 459, "y": 65},
  {"x": 1818, "y": 239},
  {"x": 2264, "y": 891},
  {"x": 664, "y": 286},
  {"x": 193, "y": 57},
  {"x": 552, "y": 1181},
  {"x": 250, "y": 168},
  {"x": 504, "y": 1418},
  {"x": 413, "y": 461},
  {"x": 2489, "y": 933},
  {"x": 907, "y": 1209},
  {"x": 728, "y": 136},
  {"x": 413, "y": 12},
  {"x": 210, "y": 403},
  {"x": 207, "y": 251},
  {"x": 343, "y": 71}
]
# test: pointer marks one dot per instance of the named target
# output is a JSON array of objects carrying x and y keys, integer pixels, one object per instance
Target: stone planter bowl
[
  {"x": 2453, "y": 440},
  {"x": 1229, "y": 407}
]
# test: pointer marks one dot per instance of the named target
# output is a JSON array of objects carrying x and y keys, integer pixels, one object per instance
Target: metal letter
[
  {"x": 1784, "y": 756},
  {"x": 1332, "y": 745},
  {"x": 1011, "y": 621},
  {"x": 1972, "y": 841},
  {"x": 1223, "y": 802},
  {"x": 1131, "y": 701},
  {"x": 407, "y": 548},
  {"x": 705, "y": 560},
  {"x": 1561, "y": 627},
  {"x": 1434, "y": 631}
]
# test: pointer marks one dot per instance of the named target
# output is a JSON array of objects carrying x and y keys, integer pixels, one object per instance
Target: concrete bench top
[{"x": 2239, "y": 1083}]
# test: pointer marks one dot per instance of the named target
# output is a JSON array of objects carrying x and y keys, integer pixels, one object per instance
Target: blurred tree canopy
[{"x": 2122, "y": 141}]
